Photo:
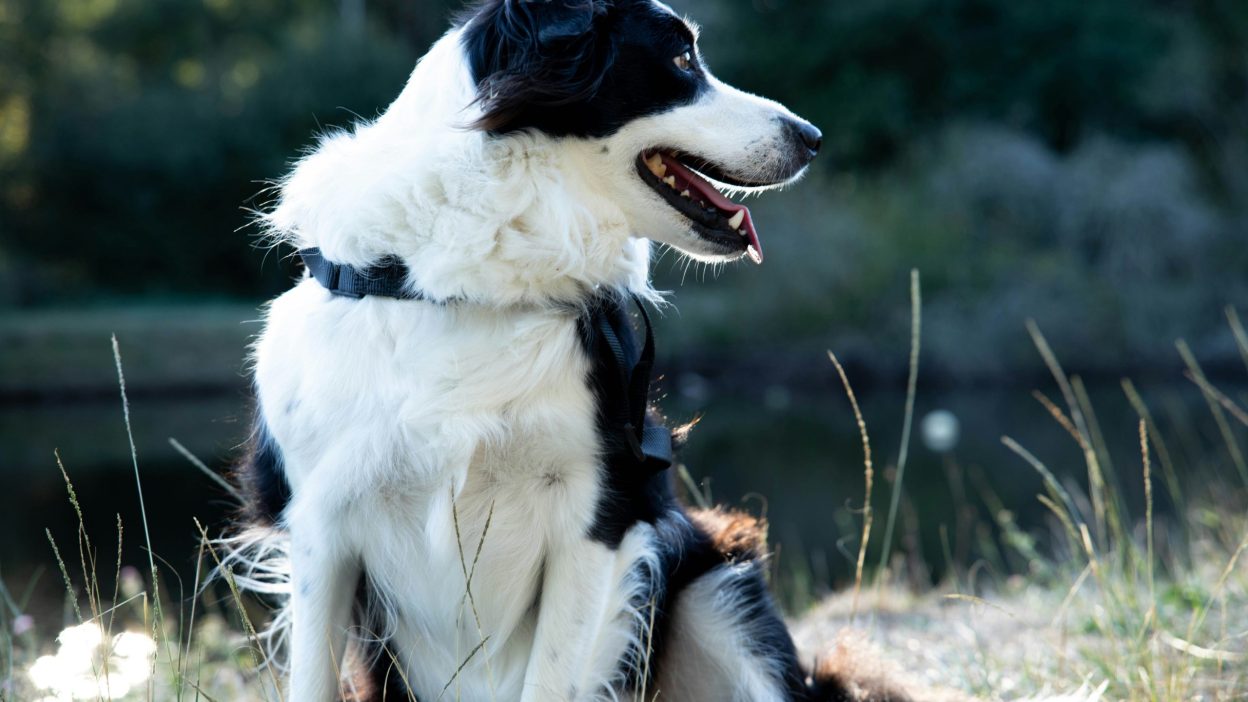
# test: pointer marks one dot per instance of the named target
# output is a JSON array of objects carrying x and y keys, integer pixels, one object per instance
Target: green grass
[{"x": 1113, "y": 596}]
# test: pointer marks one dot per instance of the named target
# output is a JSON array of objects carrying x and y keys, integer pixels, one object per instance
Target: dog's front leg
[
  {"x": 324, "y": 573},
  {"x": 576, "y": 588}
]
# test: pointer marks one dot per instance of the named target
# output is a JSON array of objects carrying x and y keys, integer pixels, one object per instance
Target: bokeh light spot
[{"x": 88, "y": 666}]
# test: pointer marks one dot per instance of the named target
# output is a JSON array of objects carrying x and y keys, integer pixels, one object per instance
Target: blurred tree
[
  {"x": 876, "y": 74},
  {"x": 134, "y": 131}
]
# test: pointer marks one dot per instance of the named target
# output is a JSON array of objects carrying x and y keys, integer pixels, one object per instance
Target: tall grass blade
[
  {"x": 1059, "y": 416},
  {"x": 1199, "y": 614},
  {"x": 1115, "y": 515},
  {"x": 701, "y": 499},
  {"x": 916, "y": 327},
  {"x": 1150, "y": 619},
  {"x": 1169, "y": 473},
  {"x": 138, "y": 481},
  {"x": 1099, "y": 445},
  {"x": 461, "y": 667},
  {"x": 1050, "y": 480},
  {"x": 1227, "y": 403},
  {"x": 1095, "y": 478},
  {"x": 236, "y": 595},
  {"x": 69, "y": 584},
  {"x": 1237, "y": 329},
  {"x": 1219, "y": 417},
  {"x": 472, "y": 602},
  {"x": 869, "y": 477},
  {"x": 203, "y": 468}
]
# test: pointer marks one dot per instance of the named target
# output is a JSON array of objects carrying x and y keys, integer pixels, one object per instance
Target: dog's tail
[
  {"x": 855, "y": 671},
  {"x": 851, "y": 671},
  {"x": 255, "y": 560}
]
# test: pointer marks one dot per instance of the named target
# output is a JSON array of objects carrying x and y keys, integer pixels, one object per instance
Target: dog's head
[
  {"x": 534, "y": 150},
  {"x": 626, "y": 76}
]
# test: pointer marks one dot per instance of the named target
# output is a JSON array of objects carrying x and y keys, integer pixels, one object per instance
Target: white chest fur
[{"x": 403, "y": 427}]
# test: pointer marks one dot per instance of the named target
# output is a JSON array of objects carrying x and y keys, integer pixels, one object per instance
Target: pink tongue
[{"x": 687, "y": 179}]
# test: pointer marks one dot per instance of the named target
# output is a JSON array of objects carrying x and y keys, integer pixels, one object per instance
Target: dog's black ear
[
  {"x": 529, "y": 56},
  {"x": 557, "y": 20}
]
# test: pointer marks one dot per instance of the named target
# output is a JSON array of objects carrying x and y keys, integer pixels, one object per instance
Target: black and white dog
[{"x": 454, "y": 484}]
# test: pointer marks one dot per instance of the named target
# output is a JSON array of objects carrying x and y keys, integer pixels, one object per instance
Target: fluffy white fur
[{"x": 406, "y": 427}]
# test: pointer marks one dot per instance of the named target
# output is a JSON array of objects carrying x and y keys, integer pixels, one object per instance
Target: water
[
  {"x": 90, "y": 437},
  {"x": 788, "y": 451}
]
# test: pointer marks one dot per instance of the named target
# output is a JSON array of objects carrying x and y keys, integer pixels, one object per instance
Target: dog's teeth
[
  {"x": 671, "y": 181},
  {"x": 655, "y": 163},
  {"x": 735, "y": 220},
  {"x": 742, "y": 233},
  {"x": 755, "y": 256},
  {"x": 684, "y": 193}
]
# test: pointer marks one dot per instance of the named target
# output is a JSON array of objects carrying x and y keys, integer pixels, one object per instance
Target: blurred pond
[
  {"x": 789, "y": 450},
  {"x": 796, "y": 456}
]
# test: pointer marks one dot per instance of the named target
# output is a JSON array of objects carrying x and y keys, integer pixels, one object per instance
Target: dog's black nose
[
  {"x": 811, "y": 136},
  {"x": 805, "y": 137}
]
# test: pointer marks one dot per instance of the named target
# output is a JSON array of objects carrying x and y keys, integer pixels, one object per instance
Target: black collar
[
  {"x": 385, "y": 279},
  {"x": 606, "y": 332}
]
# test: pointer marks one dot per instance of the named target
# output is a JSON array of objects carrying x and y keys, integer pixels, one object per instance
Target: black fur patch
[
  {"x": 764, "y": 627},
  {"x": 577, "y": 67},
  {"x": 262, "y": 477}
]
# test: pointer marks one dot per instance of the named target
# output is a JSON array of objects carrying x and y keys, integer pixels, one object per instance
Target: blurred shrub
[
  {"x": 153, "y": 124},
  {"x": 876, "y": 73}
]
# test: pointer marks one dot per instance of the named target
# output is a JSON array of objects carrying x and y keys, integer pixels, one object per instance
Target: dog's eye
[{"x": 684, "y": 62}]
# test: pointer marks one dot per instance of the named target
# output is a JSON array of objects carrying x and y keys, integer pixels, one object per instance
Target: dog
[{"x": 456, "y": 485}]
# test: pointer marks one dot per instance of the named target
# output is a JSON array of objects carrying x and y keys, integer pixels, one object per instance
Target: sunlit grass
[
  {"x": 1113, "y": 599},
  {"x": 135, "y": 642}
]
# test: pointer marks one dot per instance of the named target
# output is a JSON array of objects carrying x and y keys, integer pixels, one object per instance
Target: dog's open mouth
[{"x": 716, "y": 219}]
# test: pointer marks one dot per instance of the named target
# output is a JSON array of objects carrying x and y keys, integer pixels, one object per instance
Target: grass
[
  {"x": 1137, "y": 603},
  {"x": 1091, "y": 620},
  {"x": 1118, "y": 601}
]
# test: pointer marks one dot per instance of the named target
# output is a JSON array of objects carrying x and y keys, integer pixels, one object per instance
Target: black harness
[{"x": 620, "y": 376}]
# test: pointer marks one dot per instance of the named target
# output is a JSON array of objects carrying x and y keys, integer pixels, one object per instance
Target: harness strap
[{"x": 651, "y": 444}]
